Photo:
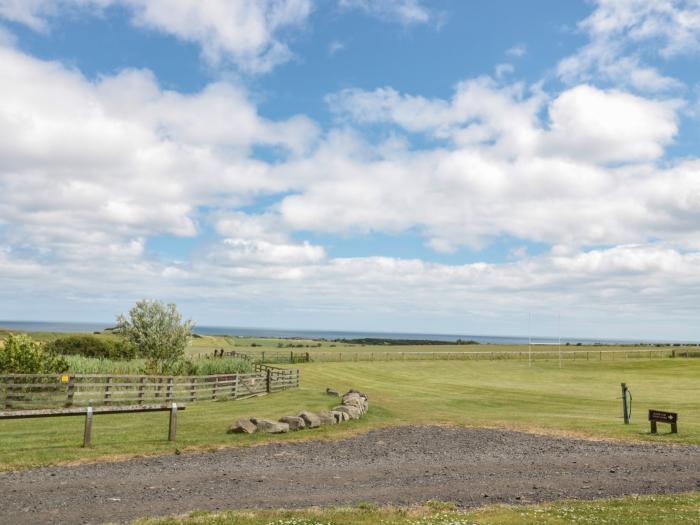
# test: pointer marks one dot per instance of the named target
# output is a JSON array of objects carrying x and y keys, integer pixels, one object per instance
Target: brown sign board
[
  {"x": 659, "y": 416},
  {"x": 663, "y": 417}
]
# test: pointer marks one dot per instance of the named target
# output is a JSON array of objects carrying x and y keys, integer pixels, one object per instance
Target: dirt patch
[{"x": 401, "y": 466}]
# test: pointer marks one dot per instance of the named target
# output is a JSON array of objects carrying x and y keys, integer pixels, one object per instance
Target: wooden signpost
[{"x": 659, "y": 416}]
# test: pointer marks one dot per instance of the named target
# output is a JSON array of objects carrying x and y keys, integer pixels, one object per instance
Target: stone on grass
[
  {"x": 326, "y": 417},
  {"x": 340, "y": 416},
  {"x": 355, "y": 401},
  {"x": 295, "y": 423},
  {"x": 270, "y": 427},
  {"x": 242, "y": 426},
  {"x": 331, "y": 392},
  {"x": 311, "y": 419},
  {"x": 353, "y": 412}
]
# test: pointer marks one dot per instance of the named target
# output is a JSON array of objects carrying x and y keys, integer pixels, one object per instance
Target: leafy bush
[
  {"x": 22, "y": 355},
  {"x": 91, "y": 346},
  {"x": 159, "y": 333}
]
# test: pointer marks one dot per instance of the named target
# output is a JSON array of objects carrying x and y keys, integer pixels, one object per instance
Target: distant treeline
[{"x": 401, "y": 342}]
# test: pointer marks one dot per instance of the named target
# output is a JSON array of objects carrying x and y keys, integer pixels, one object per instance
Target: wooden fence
[
  {"x": 26, "y": 391},
  {"x": 265, "y": 356},
  {"x": 567, "y": 354}
]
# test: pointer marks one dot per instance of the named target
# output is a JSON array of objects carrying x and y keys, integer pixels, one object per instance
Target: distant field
[
  {"x": 318, "y": 350},
  {"x": 581, "y": 399}
]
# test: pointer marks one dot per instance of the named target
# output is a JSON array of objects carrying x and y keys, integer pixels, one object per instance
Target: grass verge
[{"x": 634, "y": 510}]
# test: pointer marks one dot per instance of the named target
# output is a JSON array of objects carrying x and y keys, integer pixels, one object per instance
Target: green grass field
[
  {"x": 645, "y": 510},
  {"x": 581, "y": 399}
]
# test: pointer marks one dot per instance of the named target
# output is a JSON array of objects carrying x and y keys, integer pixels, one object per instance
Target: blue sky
[{"x": 344, "y": 164}]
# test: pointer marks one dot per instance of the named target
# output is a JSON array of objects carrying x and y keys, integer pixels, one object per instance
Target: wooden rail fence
[
  {"x": 265, "y": 356},
  {"x": 567, "y": 354},
  {"x": 27, "y": 391}
]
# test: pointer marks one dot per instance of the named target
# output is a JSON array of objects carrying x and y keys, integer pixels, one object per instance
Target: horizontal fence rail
[
  {"x": 264, "y": 356},
  {"x": 26, "y": 391},
  {"x": 567, "y": 354}
]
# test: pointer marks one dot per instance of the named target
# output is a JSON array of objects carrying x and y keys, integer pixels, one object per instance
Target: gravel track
[{"x": 402, "y": 466}]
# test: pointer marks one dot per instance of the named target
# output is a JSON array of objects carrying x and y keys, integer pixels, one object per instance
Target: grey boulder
[
  {"x": 270, "y": 427},
  {"x": 326, "y": 417},
  {"x": 242, "y": 426},
  {"x": 352, "y": 411},
  {"x": 311, "y": 419},
  {"x": 295, "y": 423},
  {"x": 340, "y": 416}
]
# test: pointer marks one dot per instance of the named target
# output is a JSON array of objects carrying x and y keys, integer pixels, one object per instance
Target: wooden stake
[
  {"x": 88, "y": 427},
  {"x": 172, "y": 428}
]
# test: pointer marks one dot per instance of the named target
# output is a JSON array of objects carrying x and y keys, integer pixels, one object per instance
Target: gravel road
[{"x": 402, "y": 466}]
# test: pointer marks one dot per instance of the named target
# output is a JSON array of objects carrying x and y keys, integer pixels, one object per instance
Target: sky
[{"x": 442, "y": 166}]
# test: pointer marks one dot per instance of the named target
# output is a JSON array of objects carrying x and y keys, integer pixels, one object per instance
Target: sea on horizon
[{"x": 72, "y": 327}]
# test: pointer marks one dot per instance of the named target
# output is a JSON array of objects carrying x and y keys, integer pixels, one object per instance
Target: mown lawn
[
  {"x": 644, "y": 510},
  {"x": 581, "y": 399}
]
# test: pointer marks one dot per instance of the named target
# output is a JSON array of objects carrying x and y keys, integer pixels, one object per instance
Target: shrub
[
  {"x": 159, "y": 333},
  {"x": 91, "y": 346},
  {"x": 22, "y": 355}
]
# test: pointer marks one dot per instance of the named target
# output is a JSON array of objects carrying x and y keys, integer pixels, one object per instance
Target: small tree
[
  {"x": 159, "y": 333},
  {"x": 21, "y": 355}
]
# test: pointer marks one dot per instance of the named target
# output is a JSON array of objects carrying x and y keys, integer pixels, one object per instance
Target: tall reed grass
[{"x": 199, "y": 367}]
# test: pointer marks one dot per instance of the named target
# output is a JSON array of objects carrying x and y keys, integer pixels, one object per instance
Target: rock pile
[{"x": 353, "y": 405}]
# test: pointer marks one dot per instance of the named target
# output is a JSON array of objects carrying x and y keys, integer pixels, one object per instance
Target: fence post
[
  {"x": 291, "y": 357},
  {"x": 269, "y": 379},
  {"x": 169, "y": 390},
  {"x": 234, "y": 388},
  {"x": 213, "y": 387},
  {"x": 193, "y": 381},
  {"x": 108, "y": 393},
  {"x": 88, "y": 427},
  {"x": 142, "y": 380},
  {"x": 172, "y": 427},
  {"x": 70, "y": 390},
  {"x": 9, "y": 391}
]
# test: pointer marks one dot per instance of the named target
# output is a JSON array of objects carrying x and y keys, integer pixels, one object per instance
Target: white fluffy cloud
[
  {"x": 582, "y": 175},
  {"x": 617, "y": 27},
  {"x": 245, "y": 31},
  {"x": 253, "y": 34},
  {"x": 95, "y": 163},
  {"x": 612, "y": 126}
]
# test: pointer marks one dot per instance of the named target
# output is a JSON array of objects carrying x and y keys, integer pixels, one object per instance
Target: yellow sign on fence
[{"x": 65, "y": 378}]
